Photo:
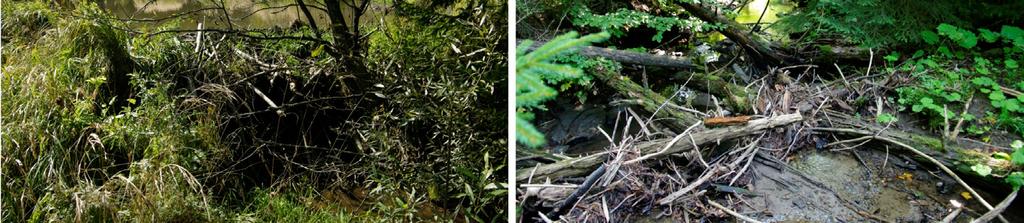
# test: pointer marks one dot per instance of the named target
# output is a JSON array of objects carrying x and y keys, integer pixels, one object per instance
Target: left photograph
[{"x": 254, "y": 111}]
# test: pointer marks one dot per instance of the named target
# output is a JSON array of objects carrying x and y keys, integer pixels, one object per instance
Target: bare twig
[
  {"x": 923, "y": 155},
  {"x": 731, "y": 212},
  {"x": 999, "y": 208}
]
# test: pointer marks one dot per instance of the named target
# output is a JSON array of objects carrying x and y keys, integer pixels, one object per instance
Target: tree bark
[
  {"x": 309, "y": 16},
  {"x": 628, "y": 57},
  {"x": 339, "y": 28},
  {"x": 649, "y": 100},
  {"x": 755, "y": 47}
]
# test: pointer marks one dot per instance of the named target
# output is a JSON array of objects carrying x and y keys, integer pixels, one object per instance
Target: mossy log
[
  {"x": 756, "y": 47},
  {"x": 649, "y": 100},
  {"x": 629, "y": 57},
  {"x": 737, "y": 98},
  {"x": 957, "y": 154},
  {"x": 584, "y": 165}
]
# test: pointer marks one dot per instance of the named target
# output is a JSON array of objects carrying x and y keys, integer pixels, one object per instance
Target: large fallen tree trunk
[
  {"x": 737, "y": 98},
  {"x": 649, "y": 100},
  {"x": 755, "y": 47},
  {"x": 628, "y": 57},
  {"x": 584, "y": 165}
]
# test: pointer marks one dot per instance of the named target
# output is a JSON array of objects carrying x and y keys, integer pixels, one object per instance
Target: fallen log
[
  {"x": 948, "y": 155},
  {"x": 956, "y": 154},
  {"x": 649, "y": 100},
  {"x": 584, "y": 165},
  {"x": 737, "y": 98},
  {"x": 755, "y": 46},
  {"x": 628, "y": 57}
]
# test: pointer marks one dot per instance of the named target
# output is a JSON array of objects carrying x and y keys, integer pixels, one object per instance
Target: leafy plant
[
  {"x": 618, "y": 22},
  {"x": 885, "y": 118},
  {"x": 944, "y": 82},
  {"x": 534, "y": 71},
  {"x": 878, "y": 23}
]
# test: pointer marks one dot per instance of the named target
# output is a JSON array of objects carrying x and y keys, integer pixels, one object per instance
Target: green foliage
[
  {"x": 982, "y": 169},
  {"x": 1018, "y": 153},
  {"x": 965, "y": 38},
  {"x": 534, "y": 71},
  {"x": 69, "y": 155},
  {"x": 885, "y": 118},
  {"x": 942, "y": 83},
  {"x": 618, "y": 22},
  {"x": 444, "y": 77},
  {"x": 876, "y": 23}
]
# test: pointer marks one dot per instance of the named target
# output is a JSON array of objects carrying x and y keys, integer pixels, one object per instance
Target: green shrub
[
  {"x": 534, "y": 71},
  {"x": 877, "y": 23}
]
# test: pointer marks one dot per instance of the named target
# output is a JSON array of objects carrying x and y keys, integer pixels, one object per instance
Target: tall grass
[{"x": 101, "y": 124}]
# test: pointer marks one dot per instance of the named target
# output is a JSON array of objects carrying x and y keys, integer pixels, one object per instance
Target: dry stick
[
  {"x": 667, "y": 146},
  {"x": 576, "y": 195},
  {"x": 956, "y": 130},
  {"x": 582, "y": 165},
  {"x": 999, "y": 208},
  {"x": 707, "y": 176},
  {"x": 926, "y": 156},
  {"x": 731, "y": 212},
  {"x": 959, "y": 208}
]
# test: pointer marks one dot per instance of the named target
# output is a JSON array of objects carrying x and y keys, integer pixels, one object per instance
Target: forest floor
[{"x": 828, "y": 133}]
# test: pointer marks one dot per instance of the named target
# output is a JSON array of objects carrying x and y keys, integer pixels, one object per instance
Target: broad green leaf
[
  {"x": 988, "y": 35},
  {"x": 996, "y": 96},
  {"x": 927, "y": 101},
  {"x": 1017, "y": 157},
  {"x": 1015, "y": 179},
  {"x": 917, "y": 108},
  {"x": 983, "y": 81},
  {"x": 982, "y": 169},
  {"x": 885, "y": 118},
  {"x": 929, "y": 37}
]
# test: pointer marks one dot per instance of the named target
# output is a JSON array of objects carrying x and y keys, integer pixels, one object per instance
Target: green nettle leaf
[
  {"x": 917, "y": 108},
  {"x": 988, "y": 35},
  {"x": 1018, "y": 156},
  {"x": 964, "y": 38},
  {"x": 1011, "y": 64},
  {"x": 892, "y": 57},
  {"x": 952, "y": 96},
  {"x": 1011, "y": 105},
  {"x": 1015, "y": 179},
  {"x": 996, "y": 96},
  {"x": 1013, "y": 35},
  {"x": 930, "y": 37},
  {"x": 983, "y": 81},
  {"x": 885, "y": 118},
  {"x": 927, "y": 101},
  {"x": 982, "y": 169}
]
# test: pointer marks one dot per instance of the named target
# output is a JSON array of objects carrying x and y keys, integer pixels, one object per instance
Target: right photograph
[{"x": 769, "y": 111}]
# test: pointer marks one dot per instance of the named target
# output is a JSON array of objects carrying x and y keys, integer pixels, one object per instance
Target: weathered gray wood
[
  {"x": 583, "y": 165},
  {"x": 628, "y": 57}
]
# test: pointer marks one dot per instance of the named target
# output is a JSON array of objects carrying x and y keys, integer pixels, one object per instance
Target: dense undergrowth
[{"x": 106, "y": 123}]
